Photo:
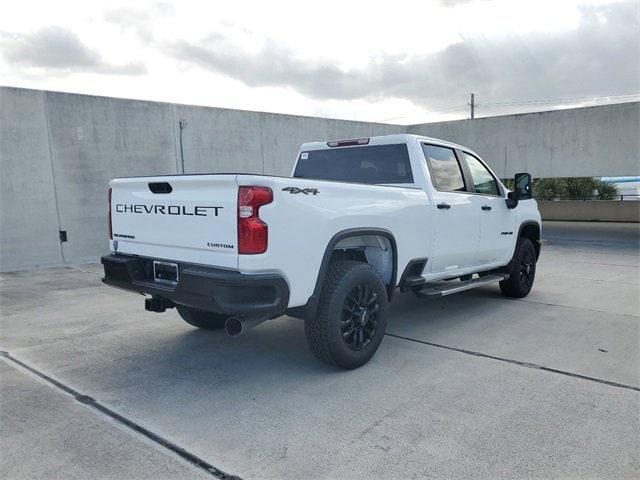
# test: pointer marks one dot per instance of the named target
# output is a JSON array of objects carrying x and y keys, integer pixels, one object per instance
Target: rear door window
[
  {"x": 444, "y": 167},
  {"x": 374, "y": 164}
]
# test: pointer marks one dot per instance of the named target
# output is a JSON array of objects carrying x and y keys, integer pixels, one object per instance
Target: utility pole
[
  {"x": 473, "y": 106},
  {"x": 505, "y": 162}
]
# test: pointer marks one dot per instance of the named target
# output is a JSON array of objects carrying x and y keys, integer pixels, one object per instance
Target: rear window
[{"x": 375, "y": 164}]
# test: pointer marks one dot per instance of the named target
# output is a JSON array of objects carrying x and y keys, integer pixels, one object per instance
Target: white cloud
[
  {"x": 339, "y": 59},
  {"x": 60, "y": 50}
]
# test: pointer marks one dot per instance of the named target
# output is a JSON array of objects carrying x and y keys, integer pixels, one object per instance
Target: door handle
[
  {"x": 486, "y": 207},
  {"x": 443, "y": 206}
]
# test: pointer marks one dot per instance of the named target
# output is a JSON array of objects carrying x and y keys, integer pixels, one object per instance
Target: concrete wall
[
  {"x": 58, "y": 150},
  {"x": 28, "y": 213},
  {"x": 590, "y": 210},
  {"x": 93, "y": 140},
  {"x": 219, "y": 140},
  {"x": 582, "y": 142}
]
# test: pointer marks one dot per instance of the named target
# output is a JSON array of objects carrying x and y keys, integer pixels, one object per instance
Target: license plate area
[{"x": 165, "y": 272}]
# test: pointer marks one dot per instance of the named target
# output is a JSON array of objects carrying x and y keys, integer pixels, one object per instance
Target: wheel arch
[
  {"x": 531, "y": 230},
  {"x": 340, "y": 241}
]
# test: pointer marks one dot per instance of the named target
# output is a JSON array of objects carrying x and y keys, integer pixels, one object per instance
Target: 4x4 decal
[{"x": 306, "y": 191}]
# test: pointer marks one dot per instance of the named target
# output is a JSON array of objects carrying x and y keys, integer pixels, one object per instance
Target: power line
[{"x": 517, "y": 103}]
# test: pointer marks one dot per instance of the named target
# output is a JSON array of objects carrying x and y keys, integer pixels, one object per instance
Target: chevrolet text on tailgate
[{"x": 330, "y": 245}]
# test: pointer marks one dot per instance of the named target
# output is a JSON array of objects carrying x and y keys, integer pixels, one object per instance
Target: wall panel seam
[{"x": 53, "y": 176}]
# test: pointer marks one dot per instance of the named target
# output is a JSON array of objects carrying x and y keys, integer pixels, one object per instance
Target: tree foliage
[
  {"x": 548, "y": 188},
  {"x": 574, "y": 188},
  {"x": 606, "y": 190}
]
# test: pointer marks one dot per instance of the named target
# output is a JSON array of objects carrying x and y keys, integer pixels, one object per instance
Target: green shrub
[
  {"x": 549, "y": 188},
  {"x": 605, "y": 190},
  {"x": 580, "y": 188},
  {"x": 571, "y": 188}
]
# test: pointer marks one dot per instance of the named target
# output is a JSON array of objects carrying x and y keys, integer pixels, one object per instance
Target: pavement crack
[
  {"x": 517, "y": 362},
  {"x": 130, "y": 424}
]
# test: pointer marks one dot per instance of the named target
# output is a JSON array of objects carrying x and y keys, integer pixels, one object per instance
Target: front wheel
[
  {"x": 202, "y": 319},
  {"x": 522, "y": 270},
  {"x": 352, "y": 315}
]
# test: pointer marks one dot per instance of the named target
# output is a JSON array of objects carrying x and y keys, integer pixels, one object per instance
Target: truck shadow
[
  {"x": 170, "y": 370},
  {"x": 201, "y": 359},
  {"x": 278, "y": 347},
  {"x": 426, "y": 316}
]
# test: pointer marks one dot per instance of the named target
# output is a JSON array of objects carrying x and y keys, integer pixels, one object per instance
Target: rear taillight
[
  {"x": 252, "y": 232},
  {"x": 110, "y": 227}
]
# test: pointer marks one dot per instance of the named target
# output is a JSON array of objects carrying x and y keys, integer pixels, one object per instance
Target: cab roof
[{"x": 379, "y": 140}]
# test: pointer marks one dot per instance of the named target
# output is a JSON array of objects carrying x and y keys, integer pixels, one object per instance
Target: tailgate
[{"x": 186, "y": 218}]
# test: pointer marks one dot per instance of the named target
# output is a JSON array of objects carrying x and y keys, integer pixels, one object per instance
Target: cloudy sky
[{"x": 396, "y": 62}]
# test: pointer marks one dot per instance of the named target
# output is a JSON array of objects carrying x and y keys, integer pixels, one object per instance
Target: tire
[
  {"x": 202, "y": 319},
  {"x": 351, "y": 319},
  {"x": 522, "y": 270}
]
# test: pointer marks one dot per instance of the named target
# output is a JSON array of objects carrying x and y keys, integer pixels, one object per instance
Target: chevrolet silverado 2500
[{"x": 358, "y": 220}]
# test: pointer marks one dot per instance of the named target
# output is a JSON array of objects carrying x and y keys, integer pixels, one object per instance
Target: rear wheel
[
  {"x": 352, "y": 315},
  {"x": 202, "y": 319},
  {"x": 522, "y": 270}
]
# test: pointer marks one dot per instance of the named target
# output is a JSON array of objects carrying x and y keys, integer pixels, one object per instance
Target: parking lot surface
[{"x": 475, "y": 385}]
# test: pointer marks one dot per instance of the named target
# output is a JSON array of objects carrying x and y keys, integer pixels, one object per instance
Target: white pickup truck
[{"x": 330, "y": 245}]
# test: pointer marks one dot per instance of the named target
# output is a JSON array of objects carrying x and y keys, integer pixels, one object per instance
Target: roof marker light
[{"x": 349, "y": 142}]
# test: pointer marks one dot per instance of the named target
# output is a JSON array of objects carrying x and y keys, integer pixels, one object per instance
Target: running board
[{"x": 443, "y": 289}]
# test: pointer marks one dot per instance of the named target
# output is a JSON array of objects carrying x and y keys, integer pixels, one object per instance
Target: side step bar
[
  {"x": 410, "y": 282},
  {"x": 448, "y": 288}
]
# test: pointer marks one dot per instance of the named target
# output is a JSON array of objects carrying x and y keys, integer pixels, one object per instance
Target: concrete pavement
[
  {"x": 470, "y": 386},
  {"x": 48, "y": 435}
]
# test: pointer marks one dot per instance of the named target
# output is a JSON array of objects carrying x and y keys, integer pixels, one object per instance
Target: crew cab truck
[{"x": 357, "y": 220}]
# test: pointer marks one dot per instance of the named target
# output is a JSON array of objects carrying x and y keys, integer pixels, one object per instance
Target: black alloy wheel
[
  {"x": 527, "y": 269},
  {"x": 359, "y": 317},
  {"x": 351, "y": 317}
]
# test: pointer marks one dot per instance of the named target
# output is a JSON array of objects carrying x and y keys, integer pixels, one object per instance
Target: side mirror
[{"x": 523, "y": 190}]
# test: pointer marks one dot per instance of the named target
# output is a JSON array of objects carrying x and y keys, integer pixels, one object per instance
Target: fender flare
[
  {"x": 309, "y": 309},
  {"x": 515, "y": 245},
  {"x": 524, "y": 224}
]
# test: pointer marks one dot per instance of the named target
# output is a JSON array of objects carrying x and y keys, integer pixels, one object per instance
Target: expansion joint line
[
  {"x": 518, "y": 363},
  {"x": 94, "y": 404}
]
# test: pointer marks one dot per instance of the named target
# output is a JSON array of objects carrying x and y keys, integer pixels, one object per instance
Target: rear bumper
[{"x": 202, "y": 287}]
